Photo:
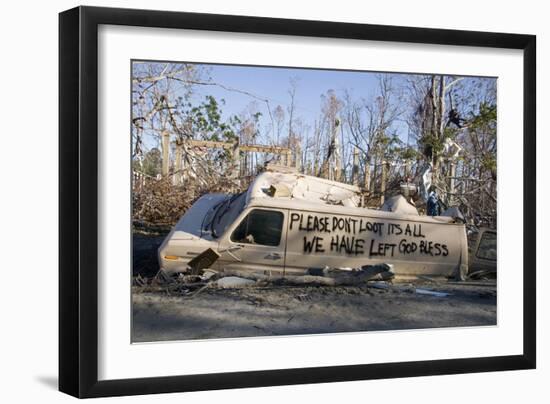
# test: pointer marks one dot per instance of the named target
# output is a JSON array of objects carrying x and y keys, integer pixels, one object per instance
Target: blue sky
[{"x": 274, "y": 84}]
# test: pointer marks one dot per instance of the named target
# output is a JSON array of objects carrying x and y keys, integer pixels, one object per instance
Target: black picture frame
[{"x": 78, "y": 201}]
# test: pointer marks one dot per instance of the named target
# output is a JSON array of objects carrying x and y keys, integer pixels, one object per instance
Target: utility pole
[
  {"x": 165, "y": 153},
  {"x": 298, "y": 157},
  {"x": 235, "y": 160},
  {"x": 366, "y": 185},
  {"x": 383, "y": 182},
  {"x": 178, "y": 175}
]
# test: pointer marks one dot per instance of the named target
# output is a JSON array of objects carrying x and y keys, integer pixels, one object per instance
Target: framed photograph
[{"x": 251, "y": 201}]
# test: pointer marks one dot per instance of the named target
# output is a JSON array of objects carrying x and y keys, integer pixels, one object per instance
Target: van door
[
  {"x": 318, "y": 239},
  {"x": 256, "y": 241}
]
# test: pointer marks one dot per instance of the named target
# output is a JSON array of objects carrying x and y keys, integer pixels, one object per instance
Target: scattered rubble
[
  {"x": 198, "y": 275},
  {"x": 202, "y": 261},
  {"x": 233, "y": 282},
  {"x": 430, "y": 292}
]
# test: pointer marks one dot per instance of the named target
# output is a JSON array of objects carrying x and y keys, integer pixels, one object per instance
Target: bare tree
[
  {"x": 332, "y": 162},
  {"x": 369, "y": 122},
  {"x": 279, "y": 116}
]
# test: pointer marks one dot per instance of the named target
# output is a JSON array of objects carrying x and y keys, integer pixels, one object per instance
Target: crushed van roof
[
  {"x": 294, "y": 190},
  {"x": 303, "y": 187}
]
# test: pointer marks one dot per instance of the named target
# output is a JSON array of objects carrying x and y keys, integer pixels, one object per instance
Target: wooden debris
[
  {"x": 234, "y": 282},
  {"x": 327, "y": 278},
  {"x": 470, "y": 283},
  {"x": 202, "y": 261},
  {"x": 140, "y": 281},
  {"x": 191, "y": 284},
  {"x": 428, "y": 279}
]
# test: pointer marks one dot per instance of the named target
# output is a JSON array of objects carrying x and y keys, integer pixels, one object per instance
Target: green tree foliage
[
  {"x": 482, "y": 131},
  {"x": 203, "y": 121}
]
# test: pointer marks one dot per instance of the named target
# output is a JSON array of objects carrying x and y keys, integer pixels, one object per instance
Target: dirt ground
[
  {"x": 290, "y": 310},
  {"x": 286, "y": 310}
]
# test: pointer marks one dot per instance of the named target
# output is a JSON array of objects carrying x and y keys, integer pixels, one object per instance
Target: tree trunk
[
  {"x": 366, "y": 184},
  {"x": 355, "y": 168},
  {"x": 452, "y": 175}
]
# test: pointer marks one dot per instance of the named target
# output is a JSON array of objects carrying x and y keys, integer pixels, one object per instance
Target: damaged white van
[{"x": 290, "y": 223}]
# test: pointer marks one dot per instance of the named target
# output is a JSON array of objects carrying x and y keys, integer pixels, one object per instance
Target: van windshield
[{"x": 226, "y": 213}]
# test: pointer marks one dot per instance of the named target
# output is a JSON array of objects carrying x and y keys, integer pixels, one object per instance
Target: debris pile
[
  {"x": 199, "y": 277},
  {"x": 160, "y": 203}
]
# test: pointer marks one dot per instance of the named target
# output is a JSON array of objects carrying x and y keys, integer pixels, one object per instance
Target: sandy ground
[{"x": 278, "y": 310}]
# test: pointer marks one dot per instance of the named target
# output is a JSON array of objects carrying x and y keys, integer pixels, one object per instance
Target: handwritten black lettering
[
  {"x": 394, "y": 228},
  {"x": 381, "y": 249},
  {"x": 313, "y": 245},
  {"x": 294, "y": 217},
  {"x": 347, "y": 244},
  {"x": 349, "y": 239},
  {"x": 406, "y": 247}
]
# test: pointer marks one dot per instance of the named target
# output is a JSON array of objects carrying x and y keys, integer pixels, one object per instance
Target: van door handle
[
  {"x": 273, "y": 256},
  {"x": 229, "y": 251},
  {"x": 231, "y": 248}
]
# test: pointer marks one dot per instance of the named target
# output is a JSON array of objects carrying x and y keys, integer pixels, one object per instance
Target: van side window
[
  {"x": 261, "y": 227},
  {"x": 487, "y": 249}
]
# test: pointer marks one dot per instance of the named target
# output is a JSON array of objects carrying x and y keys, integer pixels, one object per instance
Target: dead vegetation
[{"x": 158, "y": 203}]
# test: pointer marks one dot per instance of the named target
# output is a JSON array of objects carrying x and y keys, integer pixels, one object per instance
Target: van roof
[
  {"x": 284, "y": 185},
  {"x": 304, "y": 192}
]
